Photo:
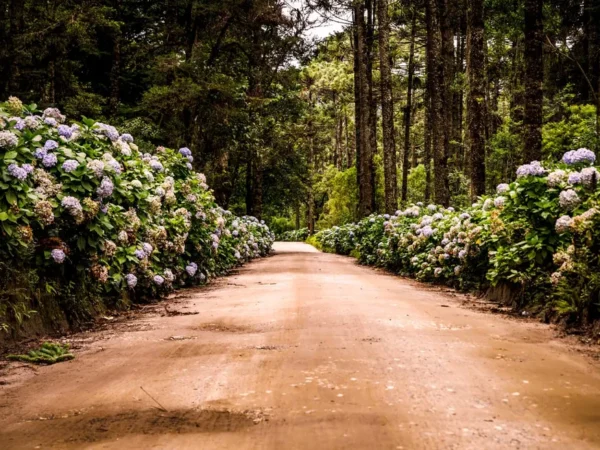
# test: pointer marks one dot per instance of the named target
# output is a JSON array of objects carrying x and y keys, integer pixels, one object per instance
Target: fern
[{"x": 48, "y": 353}]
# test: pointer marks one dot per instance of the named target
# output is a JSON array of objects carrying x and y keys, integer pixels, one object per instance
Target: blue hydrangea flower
[
  {"x": 106, "y": 188},
  {"x": 58, "y": 256},
  {"x": 191, "y": 269},
  {"x": 185, "y": 151},
  {"x": 131, "y": 280},
  {"x": 115, "y": 166},
  {"x": 70, "y": 165},
  {"x": 17, "y": 172},
  {"x": 50, "y": 145},
  {"x": 534, "y": 168},
  {"x": 40, "y": 153},
  {"x": 50, "y": 121},
  {"x": 65, "y": 131},
  {"x": 126, "y": 137},
  {"x": 156, "y": 166},
  {"x": 582, "y": 155},
  {"x": 49, "y": 160},
  {"x": 575, "y": 178}
]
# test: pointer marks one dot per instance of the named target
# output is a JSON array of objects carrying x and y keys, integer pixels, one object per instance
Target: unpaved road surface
[{"x": 305, "y": 350}]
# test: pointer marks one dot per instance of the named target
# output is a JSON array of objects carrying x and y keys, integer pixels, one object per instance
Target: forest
[
  {"x": 409, "y": 101},
  {"x": 403, "y": 104}
]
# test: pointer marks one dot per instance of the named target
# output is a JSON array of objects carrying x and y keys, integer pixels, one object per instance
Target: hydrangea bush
[
  {"x": 294, "y": 235},
  {"x": 539, "y": 236},
  {"x": 81, "y": 203}
]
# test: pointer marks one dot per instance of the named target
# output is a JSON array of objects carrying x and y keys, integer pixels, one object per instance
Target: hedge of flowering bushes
[
  {"x": 295, "y": 235},
  {"x": 88, "y": 214},
  {"x": 538, "y": 239}
]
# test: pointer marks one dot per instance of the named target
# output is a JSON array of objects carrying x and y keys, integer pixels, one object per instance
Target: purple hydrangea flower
[
  {"x": 115, "y": 166},
  {"x": 191, "y": 269},
  {"x": 156, "y": 166},
  {"x": 49, "y": 160},
  {"x": 189, "y": 166},
  {"x": 70, "y": 165},
  {"x": 462, "y": 254},
  {"x": 185, "y": 151},
  {"x": 464, "y": 216},
  {"x": 19, "y": 125},
  {"x": 17, "y": 172},
  {"x": 58, "y": 256},
  {"x": 65, "y": 131},
  {"x": 106, "y": 188},
  {"x": 107, "y": 130},
  {"x": 50, "y": 121},
  {"x": 235, "y": 233},
  {"x": 190, "y": 159},
  {"x": 40, "y": 153},
  {"x": 583, "y": 155},
  {"x": 27, "y": 168},
  {"x": 140, "y": 254},
  {"x": 50, "y": 145},
  {"x": 126, "y": 137},
  {"x": 499, "y": 202},
  {"x": 575, "y": 178},
  {"x": 534, "y": 168},
  {"x": 158, "y": 280},
  {"x": 131, "y": 280}
]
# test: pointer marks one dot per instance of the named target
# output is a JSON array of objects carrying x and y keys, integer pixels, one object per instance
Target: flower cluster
[
  {"x": 129, "y": 221},
  {"x": 581, "y": 156}
]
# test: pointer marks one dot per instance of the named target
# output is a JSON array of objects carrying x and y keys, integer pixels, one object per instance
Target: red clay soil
[{"x": 305, "y": 350}]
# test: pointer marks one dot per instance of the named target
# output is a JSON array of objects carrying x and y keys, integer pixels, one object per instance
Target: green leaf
[
  {"x": 10, "y": 155},
  {"x": 3, "y": 216},
  {"x": 11, "y": 198}
]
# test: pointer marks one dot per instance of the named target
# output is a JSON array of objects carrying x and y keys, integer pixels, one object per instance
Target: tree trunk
[
  {"x": 357, "y": 110},
  {"x": 115, "y": 71},
  {"x": 408, "y": 108},
  {"x": 364, "y": 155},
  {"x": 476, "y": 95},
  {"x": 372, "y": 102},
  {"x": 428, "y": 136},
  {"x": 436, "y": 87},
  {"x": 387, "y": 110},
  {"x": 534, "y": 77}
]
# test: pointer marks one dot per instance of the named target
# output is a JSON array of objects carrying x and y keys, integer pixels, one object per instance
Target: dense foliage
[
  {"x": 537, "y": 237},
  {"x": 88, "y": 214},
  {"x": 300, "y": 235}
]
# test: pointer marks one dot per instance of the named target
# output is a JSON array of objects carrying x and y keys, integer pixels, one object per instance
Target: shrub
[
  {"x": 537, "y": 235},
  {"x": 84, "y": 207},
  {"x": 295, "y": 235}
]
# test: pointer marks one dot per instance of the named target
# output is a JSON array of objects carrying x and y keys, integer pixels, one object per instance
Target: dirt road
[{"x": 305, "y": 350}]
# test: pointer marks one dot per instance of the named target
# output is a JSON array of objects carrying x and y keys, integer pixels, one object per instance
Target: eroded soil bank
[{"x": 306, "y": 350}]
